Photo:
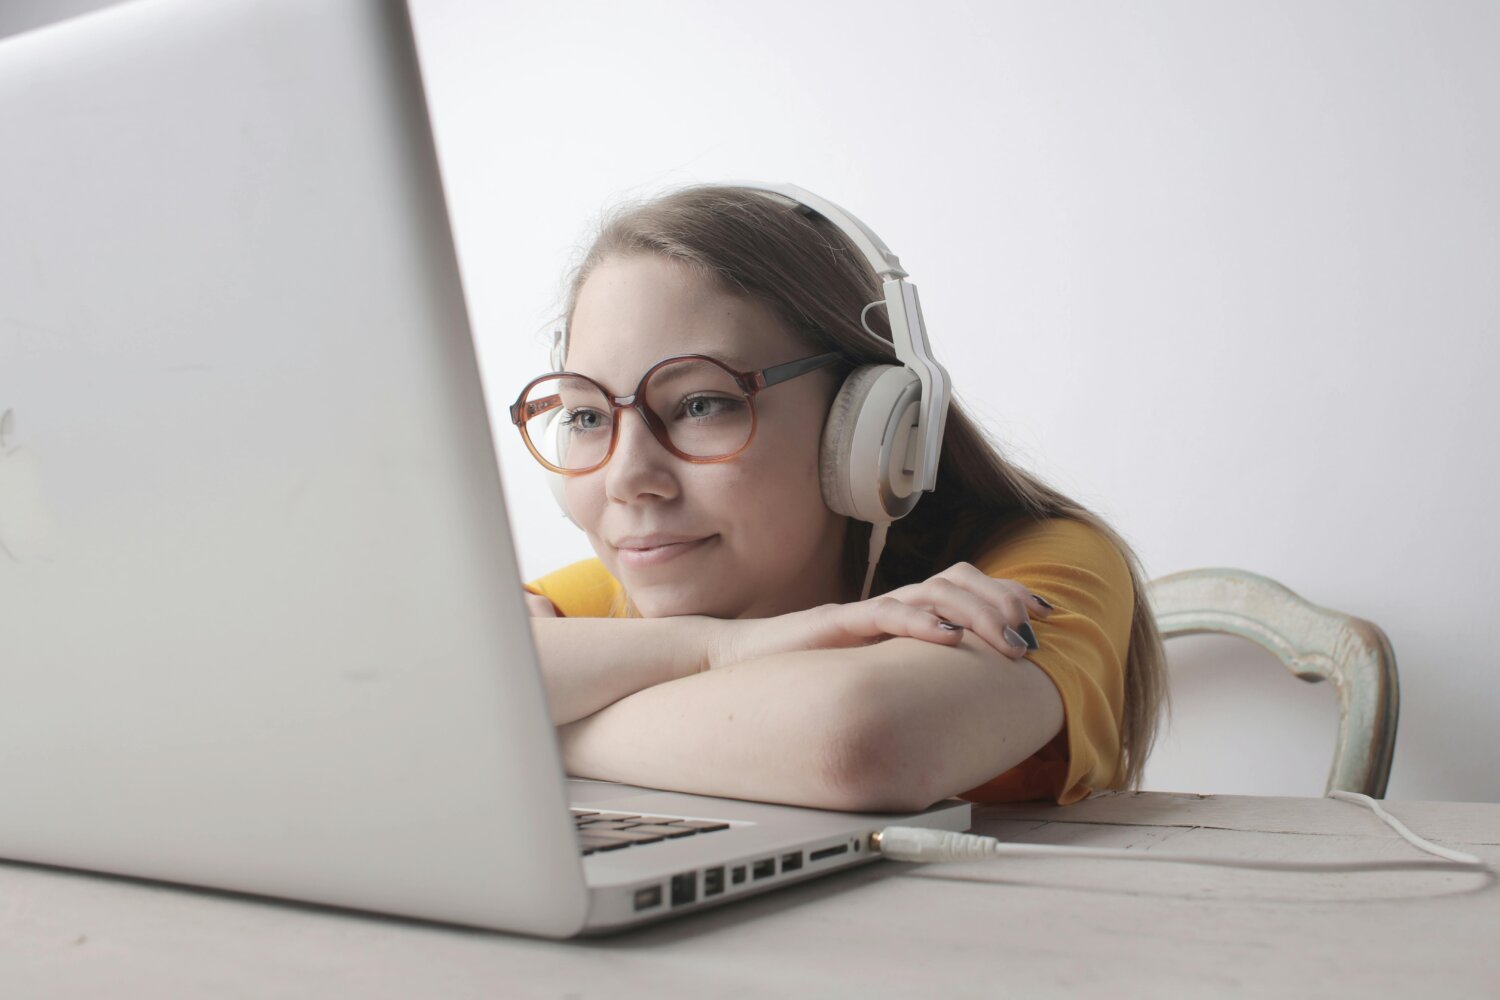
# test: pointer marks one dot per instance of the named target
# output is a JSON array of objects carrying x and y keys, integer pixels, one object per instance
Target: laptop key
[
  {"x": 665, "y": 831},
  {"x": 626, "y": 836},
  {"x": 607, "y": 831}
]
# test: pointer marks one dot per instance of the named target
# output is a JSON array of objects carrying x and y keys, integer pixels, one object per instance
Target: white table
[{"x": 1024, "y": 929}]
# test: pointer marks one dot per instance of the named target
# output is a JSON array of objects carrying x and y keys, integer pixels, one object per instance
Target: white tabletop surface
[{"x": 1017, "y": 928}]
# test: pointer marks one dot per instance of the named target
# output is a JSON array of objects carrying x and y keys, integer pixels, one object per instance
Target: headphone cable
[
  {"x": 918, "y": 844},
  {"x": 877, "y": 546}
]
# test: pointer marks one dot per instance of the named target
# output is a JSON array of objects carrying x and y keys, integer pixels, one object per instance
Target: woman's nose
[{"x": 640, "y": 466}]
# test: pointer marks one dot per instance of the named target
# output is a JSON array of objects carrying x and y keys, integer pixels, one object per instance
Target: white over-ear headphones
[{"x": 884, "y": 432}]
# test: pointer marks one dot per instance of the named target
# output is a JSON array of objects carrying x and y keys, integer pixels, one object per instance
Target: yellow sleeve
[
  {"x": 583, "y": 590},
  {"x": 1084, "y": 646}
]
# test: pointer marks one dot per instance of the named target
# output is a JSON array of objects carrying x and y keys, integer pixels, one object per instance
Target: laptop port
[
  {"x": 828, "y": 852},
  {"x": 713, "y": 882},
  {"x": 764, "y": 868},
  {"x": 791, "y": 862},
  {"x": 647, "y": 897},
  {"x": 684, "y": 888},
  {"x": 737, "y": 874}
]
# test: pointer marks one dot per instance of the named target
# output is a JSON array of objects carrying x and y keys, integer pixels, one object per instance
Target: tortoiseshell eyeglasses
[{"x": 700, "y": 409}]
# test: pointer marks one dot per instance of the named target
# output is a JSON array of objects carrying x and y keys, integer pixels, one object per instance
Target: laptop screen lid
[{"x": 261, "y": 614}]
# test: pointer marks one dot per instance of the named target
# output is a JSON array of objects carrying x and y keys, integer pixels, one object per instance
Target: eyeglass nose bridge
[{"x": 635, "y": 401}]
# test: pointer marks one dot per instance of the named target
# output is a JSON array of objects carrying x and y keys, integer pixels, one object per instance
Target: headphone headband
[{"x": 882, "y": 261}]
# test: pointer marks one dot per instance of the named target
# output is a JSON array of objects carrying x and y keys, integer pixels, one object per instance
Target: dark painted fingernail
[
  {"x": 1042, "y": 601},
  {"x": 950, "y": 626},
  {"x": 1028, "y": 635},
  {"x": 1014, "y": 638}
]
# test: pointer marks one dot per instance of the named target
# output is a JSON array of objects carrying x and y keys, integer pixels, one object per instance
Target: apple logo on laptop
[{"x": 26, "y": 523}]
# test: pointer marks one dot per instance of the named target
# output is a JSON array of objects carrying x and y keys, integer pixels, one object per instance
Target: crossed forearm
[
  {"x": 889, "y": 727},
  {"x": 590, "y": 663}
]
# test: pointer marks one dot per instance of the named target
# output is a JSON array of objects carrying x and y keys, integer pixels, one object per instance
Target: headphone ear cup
[
  {"x": 864, "y": 444},
  {"x": 838, "y": 432},
  {"x": 559, "y": 487}
]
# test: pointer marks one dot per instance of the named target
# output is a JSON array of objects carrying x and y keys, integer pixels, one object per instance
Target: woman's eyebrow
[
  {"x": 673, "y": 373},
  {"x": 607, "y": 378},
  {"x": 738, "y": 362}
]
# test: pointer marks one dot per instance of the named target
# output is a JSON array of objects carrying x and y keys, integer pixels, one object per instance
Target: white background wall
[
  {"x": 1226, "y": 272},
  {"x": 1229, "y": 273}
]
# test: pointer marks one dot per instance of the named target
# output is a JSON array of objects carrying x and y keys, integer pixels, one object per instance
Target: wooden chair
[{"x": 1316, "y": 644}]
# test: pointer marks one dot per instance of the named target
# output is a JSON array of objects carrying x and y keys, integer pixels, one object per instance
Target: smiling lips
[{"x": 653, "y": 550}]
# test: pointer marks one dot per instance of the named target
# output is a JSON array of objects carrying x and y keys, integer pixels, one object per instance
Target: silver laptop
[{"x": 260, "y": 621}]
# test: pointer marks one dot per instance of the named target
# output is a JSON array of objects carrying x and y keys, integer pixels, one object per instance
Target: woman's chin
[
  {"x": 682, "y": 584},
  {"x": 658, "y": 598},
  {"x": 660, "y": 602}
]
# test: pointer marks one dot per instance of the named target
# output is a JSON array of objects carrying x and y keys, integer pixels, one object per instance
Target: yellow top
[{"x": 1084, "y": 645}]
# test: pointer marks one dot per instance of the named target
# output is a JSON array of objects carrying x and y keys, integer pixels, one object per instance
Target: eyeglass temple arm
[
  {"x": 781, "y": 373},
  {"x": 521, "y": 412}
]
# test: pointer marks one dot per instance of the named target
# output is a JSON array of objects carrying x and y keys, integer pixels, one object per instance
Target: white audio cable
[
  {"x": 908, "y": 843},
  {"x": 877, "y": 546}
]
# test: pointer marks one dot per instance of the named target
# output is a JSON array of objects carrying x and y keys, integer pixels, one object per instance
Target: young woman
[{"x": 718, "y": 644}]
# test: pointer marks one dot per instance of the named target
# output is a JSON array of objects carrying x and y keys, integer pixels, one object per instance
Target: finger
[
  {"x": 972, "y": 578},
  {"x": 538, "y": 606},
  {"x": 1033, "y": 605},
  {"x": 998, "y": 616},
  {"x": 886, "y": 616}
]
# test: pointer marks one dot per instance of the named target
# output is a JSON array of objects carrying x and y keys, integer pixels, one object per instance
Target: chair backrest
[{"x": 1316, "y": 644}]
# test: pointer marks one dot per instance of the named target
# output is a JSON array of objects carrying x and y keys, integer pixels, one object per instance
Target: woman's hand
[
  {"x": 937, "y": 610},
  {"x": 538, "y": 606}
]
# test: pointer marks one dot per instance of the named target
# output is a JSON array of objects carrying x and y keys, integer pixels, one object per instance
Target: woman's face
[{"x": 745, "y": 538}]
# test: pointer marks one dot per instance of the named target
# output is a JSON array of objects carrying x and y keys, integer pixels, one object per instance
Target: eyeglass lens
[{"x": 702, "y": 408}]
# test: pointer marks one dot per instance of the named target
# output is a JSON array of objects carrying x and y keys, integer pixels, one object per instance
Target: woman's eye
[
  {"x": 579, "y": 421},
  {"x": 703, "y": 407}
]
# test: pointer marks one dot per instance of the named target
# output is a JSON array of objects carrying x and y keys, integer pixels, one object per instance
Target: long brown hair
[{"x": 802, "y": 267}]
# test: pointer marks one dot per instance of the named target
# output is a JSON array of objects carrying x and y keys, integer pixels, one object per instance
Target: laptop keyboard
[{"x": 607, "y": 831}]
